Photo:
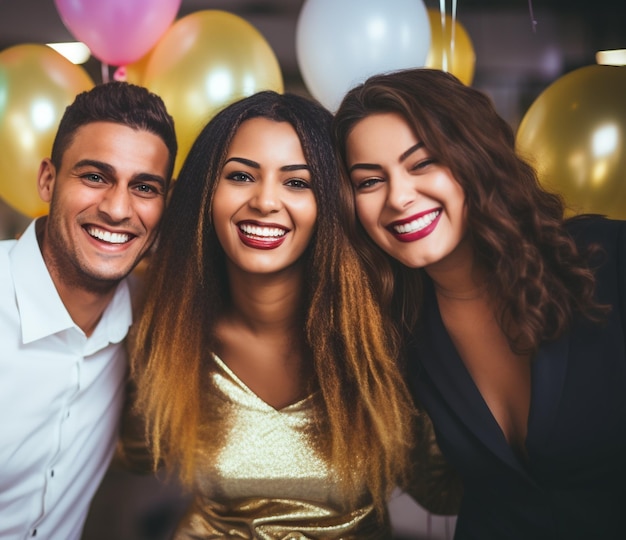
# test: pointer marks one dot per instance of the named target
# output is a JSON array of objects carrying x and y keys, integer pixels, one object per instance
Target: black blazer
[{"x": 574, "y": 483}]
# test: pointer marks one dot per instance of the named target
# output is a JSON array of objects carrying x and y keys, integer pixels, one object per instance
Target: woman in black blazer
[{"x": 511, "y": 315}]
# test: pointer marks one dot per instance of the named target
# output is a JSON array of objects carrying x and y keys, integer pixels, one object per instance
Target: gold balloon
[
  {"x": 205, "y": 61},
  {"x": 575, "y": 135},
  {"x": 36, "y": 85},
  {"x": 457, "y": 58}
]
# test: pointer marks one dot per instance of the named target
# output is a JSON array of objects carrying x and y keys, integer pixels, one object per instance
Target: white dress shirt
[{"x": 61, "y": 394}]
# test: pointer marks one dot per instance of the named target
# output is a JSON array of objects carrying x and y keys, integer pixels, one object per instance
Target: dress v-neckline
[{"x": 292, "y": 407}]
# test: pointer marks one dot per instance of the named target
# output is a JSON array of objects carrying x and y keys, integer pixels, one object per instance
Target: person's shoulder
[
  {"x": 7, "y": 291},
  {"x": 591, "y": 222},
  {"x": 6, "y": 245},
  {"x": 593, "y": 228},
  {"x": 5, "y": 250},
  {"x": 26, "y": 239}
]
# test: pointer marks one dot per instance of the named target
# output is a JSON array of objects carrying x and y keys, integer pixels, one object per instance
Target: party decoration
[
  {"x": 133, "y": 73},
  {"x": 574, "y": 133},
  {"x": 36, "y": 85},
  {"x": 205, "y": 61},
  {"x": 339, "y": 43},
  {"x": 118, "y": 32},
  {"x": 456, "y": 55}
]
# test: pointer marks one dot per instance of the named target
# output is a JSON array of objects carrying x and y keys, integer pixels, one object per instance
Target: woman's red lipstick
[{"x": 415, "y": 227}]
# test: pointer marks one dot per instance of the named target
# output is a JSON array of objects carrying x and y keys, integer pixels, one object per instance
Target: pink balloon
[{"x": 118, "y": 32}]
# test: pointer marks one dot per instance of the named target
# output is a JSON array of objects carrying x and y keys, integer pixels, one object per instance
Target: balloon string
[
  {"x": 442, "y": 9},
  {"x": 452, "y": 35},
  {"x": 105, "y": 72},
  {"x": 533, "y": 21}
]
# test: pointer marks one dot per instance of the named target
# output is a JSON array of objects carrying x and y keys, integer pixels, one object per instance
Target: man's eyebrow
[
  {"x": 101, "y": 165},
  {"x": 147, "y": 177},
  {"x": 107, "y": 168}
]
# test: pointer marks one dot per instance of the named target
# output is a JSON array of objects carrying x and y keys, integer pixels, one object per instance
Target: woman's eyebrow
[
  {"x": 364, "y": 166},
  {"x": 244, "y": 161},
  {"x": 413, "y": 148},
  {"x": 373, "y": 166},
  {"x": 255, "y": 165},
  {"x": 296, "y": 167}
]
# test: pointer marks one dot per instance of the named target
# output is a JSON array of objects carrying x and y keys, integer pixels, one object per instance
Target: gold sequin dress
[{"x": 261, "y": 475}]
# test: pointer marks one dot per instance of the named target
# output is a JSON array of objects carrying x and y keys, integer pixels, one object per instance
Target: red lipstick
[
  {"x": 416, "y": 226},
  {"x": 258, "y": 241}
]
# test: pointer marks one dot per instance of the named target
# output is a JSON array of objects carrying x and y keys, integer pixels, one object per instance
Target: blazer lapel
[{"x": 444, "y": 366}]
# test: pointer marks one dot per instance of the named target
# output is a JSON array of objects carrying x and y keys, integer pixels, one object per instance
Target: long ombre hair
[
  {"x": 515, "y": 226},
  {"x": 365, "y": 409}
]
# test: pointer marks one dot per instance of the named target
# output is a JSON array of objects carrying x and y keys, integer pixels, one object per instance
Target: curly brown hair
[{"x": 515, "y": 226}]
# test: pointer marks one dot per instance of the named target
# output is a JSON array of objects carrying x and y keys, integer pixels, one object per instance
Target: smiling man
[{"x": 65, "y": 306}]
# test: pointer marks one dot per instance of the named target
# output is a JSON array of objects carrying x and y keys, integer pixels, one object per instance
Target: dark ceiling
[
  {"x": 24, "y": 21},
  {"x": 601, "y": 23}
]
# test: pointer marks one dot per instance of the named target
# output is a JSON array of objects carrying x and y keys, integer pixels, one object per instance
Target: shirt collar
[{"x": 42, "y": 312}]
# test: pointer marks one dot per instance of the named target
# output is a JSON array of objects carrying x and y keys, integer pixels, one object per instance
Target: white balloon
[{"x": 339, "y": 43}]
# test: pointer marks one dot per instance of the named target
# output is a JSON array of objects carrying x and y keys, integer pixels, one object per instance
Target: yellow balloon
[
  {"x": 205, "y": 61},
  {"x": 574, "y": 134},
  {"x": 36, "y": 85},
  {"x": 457, "y": 58}
]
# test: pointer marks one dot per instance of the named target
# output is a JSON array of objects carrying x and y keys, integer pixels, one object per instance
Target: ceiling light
[
  {"x": 76, "y": 52},
  {"x": 616, "y": 57}
]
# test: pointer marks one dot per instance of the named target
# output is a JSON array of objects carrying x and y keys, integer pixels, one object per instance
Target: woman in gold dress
[{"x": 262, "y": 370}]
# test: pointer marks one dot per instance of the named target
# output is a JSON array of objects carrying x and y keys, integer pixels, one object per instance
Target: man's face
[{"x": 106, "y": 201}]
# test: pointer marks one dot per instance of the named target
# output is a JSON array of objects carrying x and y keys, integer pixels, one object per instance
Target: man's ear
[{"x": 46, "y": 179}]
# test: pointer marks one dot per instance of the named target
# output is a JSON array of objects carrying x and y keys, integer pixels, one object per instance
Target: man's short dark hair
[{"x": 120, "y": 103}]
